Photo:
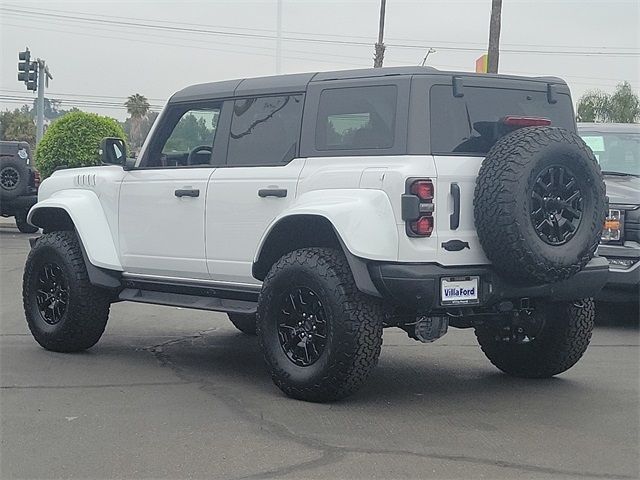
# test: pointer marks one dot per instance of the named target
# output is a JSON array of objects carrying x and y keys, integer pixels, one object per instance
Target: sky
[{"x": 99, "y": 52}]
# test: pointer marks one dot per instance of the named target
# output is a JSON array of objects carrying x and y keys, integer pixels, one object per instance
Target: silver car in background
[{"x": 617, "y": 148}]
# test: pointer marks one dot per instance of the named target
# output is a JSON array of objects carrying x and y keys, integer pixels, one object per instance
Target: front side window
[
  {"x": 184, "y": 138},
  {"x": 265, "y": 130},
  {"x": 356, "y": 118},
  {"x": 191, "y": 140}
]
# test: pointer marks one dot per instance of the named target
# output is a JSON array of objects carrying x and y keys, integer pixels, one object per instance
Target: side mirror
[{"x": 113, "y": 151}]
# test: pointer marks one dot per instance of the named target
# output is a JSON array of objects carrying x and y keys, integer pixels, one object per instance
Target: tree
[
  {"x": 622, "y": 106},
  {"x": 17, "y": 125},
  {"x": 74, "y": 140},
  {"x": 145, "y": 126},
  {"x": 138, "y": 108}
]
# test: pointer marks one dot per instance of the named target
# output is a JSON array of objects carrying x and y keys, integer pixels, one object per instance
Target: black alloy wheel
[
  {"x": 53, "y": 293},
  {"x": 302, "y": 326},
  {"x": 9, "y": 178},
  {"x": 556, "y": 205}
]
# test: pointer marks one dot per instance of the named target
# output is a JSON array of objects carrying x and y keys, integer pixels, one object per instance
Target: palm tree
[{"x": 138, "y": 108}]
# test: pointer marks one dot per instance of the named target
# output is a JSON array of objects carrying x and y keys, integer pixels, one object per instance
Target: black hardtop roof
[
  {"x": 11, "y": 147},
  {"x": 298, "y": 82}
]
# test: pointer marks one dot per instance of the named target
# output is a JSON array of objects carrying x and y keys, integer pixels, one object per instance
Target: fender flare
[
  {"x": 89, "y": 220},
  {"x": 369, "y": 235}
]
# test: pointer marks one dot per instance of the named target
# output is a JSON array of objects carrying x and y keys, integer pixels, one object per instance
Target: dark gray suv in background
[
  {"x": 19, "y": 181},
  {"x": 617, "y": 148}
]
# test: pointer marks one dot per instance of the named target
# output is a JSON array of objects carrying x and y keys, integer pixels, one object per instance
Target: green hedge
[{"x": 74, "y": 140}]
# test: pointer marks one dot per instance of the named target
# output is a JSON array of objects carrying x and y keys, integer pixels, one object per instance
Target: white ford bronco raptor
[{"x": 317, "y": 209}]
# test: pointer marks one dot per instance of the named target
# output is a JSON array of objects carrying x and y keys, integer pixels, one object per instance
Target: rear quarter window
[
  {"x": 357, "y": 118},
  {"x": 470, "y": 124}
]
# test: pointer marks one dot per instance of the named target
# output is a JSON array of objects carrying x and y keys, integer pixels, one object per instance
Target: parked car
[
  {"x": 617, "y": 148},
  {"x": 317, "y": 209},
  {"x": 18, "y": 183}
]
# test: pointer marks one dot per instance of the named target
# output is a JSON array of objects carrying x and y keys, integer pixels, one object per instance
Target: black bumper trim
[{"x": 417, "y": 285}]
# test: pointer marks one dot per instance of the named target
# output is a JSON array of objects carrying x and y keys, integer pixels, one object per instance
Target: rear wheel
[
  {"x": 243, "y": 322},
  {"x": 320, "y": 335},
  {"x": 65, "y": 313},
  {"x": 548, "y": 342}
]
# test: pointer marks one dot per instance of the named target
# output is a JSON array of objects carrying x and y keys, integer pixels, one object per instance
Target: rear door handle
[
  {"x": 454, "y": 218},
  {"x": 272, "y": 192},
  {"x": 187, "y": 192}
]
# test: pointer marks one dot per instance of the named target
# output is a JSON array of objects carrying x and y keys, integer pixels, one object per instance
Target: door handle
[
  {"x": 272, "y": 192},
  {"x": 454, "y": 218},
  {"x": 187, "y": 192}
]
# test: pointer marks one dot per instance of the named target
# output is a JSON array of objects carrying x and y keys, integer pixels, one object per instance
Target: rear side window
[
  {"x": 265, "y": 130},
  {"x": 356, "y": 118},
  {"x": 471, "y": 124}
]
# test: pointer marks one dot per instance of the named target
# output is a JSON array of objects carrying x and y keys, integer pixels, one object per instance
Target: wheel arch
[
  {"x": 305, "y": 230},
  {"x": 82, "y": 212}
]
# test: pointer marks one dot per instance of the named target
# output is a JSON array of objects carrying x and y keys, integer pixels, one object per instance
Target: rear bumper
[{"x": 417, "y": 285}]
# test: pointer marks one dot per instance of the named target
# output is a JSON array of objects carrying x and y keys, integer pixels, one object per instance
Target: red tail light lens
[
  {"x": 423, "y": 189},
  {"x": 515, "y": 121},
  {"x": 422, "y": 227},
  {"x": 36, "y": 179}
]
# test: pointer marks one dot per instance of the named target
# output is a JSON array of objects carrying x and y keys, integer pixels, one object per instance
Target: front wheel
[
  {"x": 548, "y": 342},
  {"x": 65, "y": 313},
  {"x": 319, "y": 334}
]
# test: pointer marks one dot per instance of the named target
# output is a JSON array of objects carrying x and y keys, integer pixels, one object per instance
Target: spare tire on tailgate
[{"x": 539, "y": 205}]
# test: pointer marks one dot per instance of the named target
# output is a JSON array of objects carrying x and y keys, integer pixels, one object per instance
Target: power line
[
  {"x": 337, "y": 35},
  {"x": 208, "y": 31}
]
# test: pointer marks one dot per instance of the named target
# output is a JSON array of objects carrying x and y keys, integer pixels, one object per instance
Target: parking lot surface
[{"x": 174, "y": 393}]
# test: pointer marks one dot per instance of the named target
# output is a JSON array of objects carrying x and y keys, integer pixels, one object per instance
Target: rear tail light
[
  {"x": 417, "y": 207},
  {"x": 613, "y": 226},
  {"x": 36, "y": 178},
  {"x": 422, "y": 227},
  {"x": 423, "y": 189},
  {"x": 515, "y": 121}
]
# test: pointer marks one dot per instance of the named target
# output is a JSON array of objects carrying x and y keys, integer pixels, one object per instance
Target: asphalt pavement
[{"x": 174, "y": 393}]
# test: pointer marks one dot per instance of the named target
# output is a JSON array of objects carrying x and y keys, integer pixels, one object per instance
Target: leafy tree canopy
[
  {"x": 622, "y": 106},
  {"x": 17, "y": 125},
  {"x": 74, "y": 140}
]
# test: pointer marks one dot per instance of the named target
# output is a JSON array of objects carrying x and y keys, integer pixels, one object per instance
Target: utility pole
[
  {"x": 380, "y": 48},
  {"x": 429, "y": 52},
  {"x": 494, "y": 36},
  {"x": 43, "y": 80},
  {"x": 279, "y": 37}
]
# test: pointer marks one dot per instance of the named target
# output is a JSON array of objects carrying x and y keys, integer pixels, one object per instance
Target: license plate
[{"x": 459, "y": 290}]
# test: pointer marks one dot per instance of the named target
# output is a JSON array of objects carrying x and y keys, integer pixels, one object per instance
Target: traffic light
[
  {"x": 24, "y": 65},
  {"x": 32, "y": 77}
]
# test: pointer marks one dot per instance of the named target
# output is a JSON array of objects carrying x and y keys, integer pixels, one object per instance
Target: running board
[{"x": 198, "y": 302}]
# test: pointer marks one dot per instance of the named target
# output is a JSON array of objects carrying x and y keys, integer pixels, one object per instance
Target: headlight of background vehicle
[{"x": 613, "y": 226}]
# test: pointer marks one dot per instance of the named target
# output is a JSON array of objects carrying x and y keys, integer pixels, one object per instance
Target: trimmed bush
[{"x": 74, "y": 140}]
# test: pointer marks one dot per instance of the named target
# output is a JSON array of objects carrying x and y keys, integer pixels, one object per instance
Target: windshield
[{"x": 616, "y": 152}]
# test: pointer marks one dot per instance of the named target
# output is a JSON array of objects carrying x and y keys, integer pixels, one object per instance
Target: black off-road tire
[
  {"x": 563, "y": 339},
  {"x": 243, "y": 322},
  {"x": 503, "y": 204},
  {"x": 85, "y": 317},
  {"x": 354, "y": 335},
  {"x": 14, "y": 177},
  {"x": 21, "y": 222}
]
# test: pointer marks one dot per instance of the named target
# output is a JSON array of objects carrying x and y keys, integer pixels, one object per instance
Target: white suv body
[{"x": 380, "y": 165}]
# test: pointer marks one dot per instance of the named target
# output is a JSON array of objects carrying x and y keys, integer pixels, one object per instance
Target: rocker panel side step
[{"x": 198, "y": 302}]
